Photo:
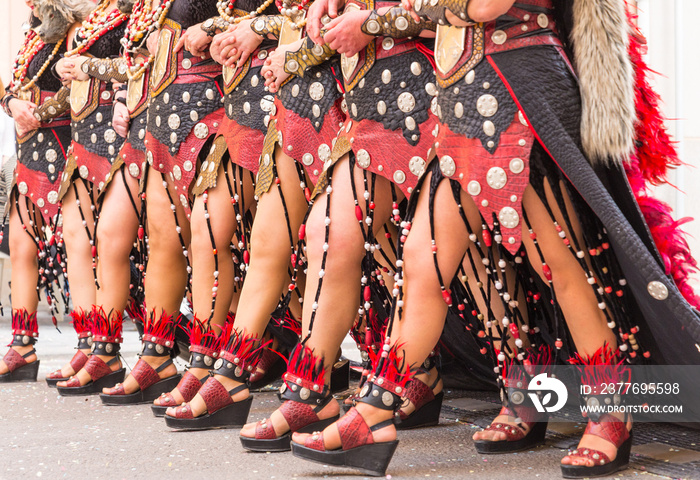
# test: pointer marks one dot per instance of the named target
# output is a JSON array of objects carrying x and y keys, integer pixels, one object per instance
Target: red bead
[
  {"x": 558, "y": 344},
  {"x": 94, "y": 251},
  {"x": 294, "y": 259},
  {"x": 447, "y": 296},
  {"x": 547, "y": 272},
  {"x": 434, "y": 248},
  {"x": 514, "y": 330},
  {"x": 371, "y": 205},
  {"x": 367, "y": 294},
  {"x": 302, "y": 232},
  {"x": 307, "y": 194},
  {"x": 291, "y": 287},
  {"x": 608, "y": 289},
  {"x": 481, "y": 334},
  {"x": 141, "y": 233},
  {"x": 388, "y": 235},
  {"x": 647, "y": 354},
  {"x": 246, "y": 257},
  {"x": 358, "y": 213},
  {"x": 486, "y": 235},
  {"x": 483, "y": 350},
  {"x": 461, "y": 307}
]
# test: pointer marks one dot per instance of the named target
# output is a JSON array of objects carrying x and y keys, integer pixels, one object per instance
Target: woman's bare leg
[{"x": 25, "y": 267}]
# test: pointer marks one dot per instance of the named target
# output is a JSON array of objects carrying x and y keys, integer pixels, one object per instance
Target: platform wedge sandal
[
  {"x": 529, "y": 426},
  {"x": 304, "y": 395},
  {"x": 237, "y": 360},
  {"x": 205, "y": 343},
  {"x": 25, "y": 331},
  {"x": 106, "y": 342},
  {"x": 158, "y": 342},
  {"x": 602, "y": 369},
  {"x": 82, "y": 324},
  {"x": 427, "y": 404},
  {"x": 358, "y": 449}
]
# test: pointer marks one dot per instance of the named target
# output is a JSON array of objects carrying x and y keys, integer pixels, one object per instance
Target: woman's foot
[
  {"x": 279, "y": 418},
  {"x": 83, "y": 377},
  {"x": 69, "y": 369},
  {"x": 430, "y": 380},
  {"x": 175, "y": 396},
  {"x": 583, "y": 454},
  {"x": 21, "y": 350},
  {"x": 332, "y": 435},
  {"x": 130, "y": 385},
  {"x": 498, "y": 434}
]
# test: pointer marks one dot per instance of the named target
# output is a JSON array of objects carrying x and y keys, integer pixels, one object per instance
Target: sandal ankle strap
[
  {"x": 593, "y": 403},
  {"x": 227, "y": 367},
  {"x": 201, "y": 360},
  {"x": 20, "y": 340},
  {"x": 106, "y": 348},
  {"x": 380, "y": 397},
  {"x": 153, "y": 349},
  {"x": 84, "y": 342}
]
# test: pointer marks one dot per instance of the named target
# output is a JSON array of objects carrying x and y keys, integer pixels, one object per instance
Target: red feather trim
[
  {"x": 604, "y": 366},
  {"x": 243, "y": 349},
  {"x": 81, "y": 323},
  {"x": 136, "y": 312},
  {"x": 536, "y": 361},
  {"x": 204, "y": 337},
  {"x": 389, "y": 366},
  {"x": 104, "y": 330},
  {"x": 24, "y": 323},
  {"x": 161, "y": 330},
  {"x": 305, "y": 365},
  {"x": 287, "y": 321},
  {"x": 653, "y": 156}
]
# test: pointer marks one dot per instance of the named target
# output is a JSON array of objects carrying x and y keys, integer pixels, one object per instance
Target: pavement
[{"x": 48, "y": 436}]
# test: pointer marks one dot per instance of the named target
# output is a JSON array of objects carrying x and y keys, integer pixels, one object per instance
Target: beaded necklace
[
  {"x": 97, "y": 24},
  {"x": 143, "y": 21},
  {"x": 225, "y": 9},
  {"x": 290, "y": 8},
  {"x": 32, "y": 45}
]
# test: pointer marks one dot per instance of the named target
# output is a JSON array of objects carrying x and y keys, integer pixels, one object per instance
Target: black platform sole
[
  {"x": 534, "y": 438},
  {"x": 25, "y": 373},
  {"x": 91, "y": 388},
  {"x": 282, "y": 444},
  {"x": 371, "y": 459},
  {"x": 276, "y": 371},
  {"x": 51, "y": 382},
  {"x": 143, "y": 396},
  {"x": 340, "y": 376},
  {"x": 426, "y": 416},
  {"x": 158, "y": 411},
  {"x": 231, "y": 416},
  {"x": 621, "y": 461}
]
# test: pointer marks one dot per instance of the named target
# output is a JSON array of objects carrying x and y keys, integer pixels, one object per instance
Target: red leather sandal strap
[
  {"x": 353, "y": 430},
  {"x": 298, "y": 415},
  {"x": 97, "y": 368},
  {"x": 14, "y": 360},
  {"x": 144, "y": 374},
  {"x": 264, "y": 430},
  {"x": 419, "y": 394},
  {"x": 609, "y": 428},
  {"x": 513, "y": 432},
  {"x": 598, "y": 457},
  {"x": 215, "y": 395},
  {"x": 78, "y": 361}
]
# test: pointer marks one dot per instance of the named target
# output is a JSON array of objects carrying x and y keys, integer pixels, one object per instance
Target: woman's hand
[
  {"x": 70, "y": 68},
  {"x": 344, "y": 33},
  {"x": 243, "y": 44},
  {"x": 23, "y": 113},
  {"x": 195, "y": 40},
  {"x": 221, "y": 41},
  {"x": 408, "y": 6},
  {"x": 318, "y": 10},
  {"x": 120, "y": 119},
  {"x": 273, "y": 69}
]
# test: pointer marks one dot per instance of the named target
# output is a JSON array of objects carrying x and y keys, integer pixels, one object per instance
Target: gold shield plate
[
  {"x": 449, "y": 46},
  {"x": 134, "y": 93},
  {"x": 160, "y": 66},
  {"x": 79, "y": 94},
  {"x": 228, "y": 73},
  {"x": 287, "y": 33}
]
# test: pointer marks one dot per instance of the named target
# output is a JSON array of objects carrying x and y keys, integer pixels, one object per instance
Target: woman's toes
[{"x": 299, "y": 437}]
